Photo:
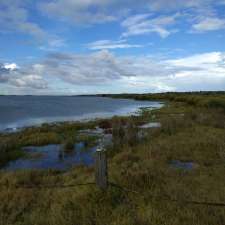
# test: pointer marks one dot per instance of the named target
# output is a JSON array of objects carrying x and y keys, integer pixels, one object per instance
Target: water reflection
[
  {"x": 24, "y": 111},
  {"x": 182, "y": 165},
  {"x": 54, "y": 157}
]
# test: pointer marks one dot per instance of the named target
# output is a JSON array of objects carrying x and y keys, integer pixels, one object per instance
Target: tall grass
[{"x": 189, "y": 132}]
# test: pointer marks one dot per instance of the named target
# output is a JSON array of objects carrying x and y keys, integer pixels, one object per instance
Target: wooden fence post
[{"x": 101, "y": 173}]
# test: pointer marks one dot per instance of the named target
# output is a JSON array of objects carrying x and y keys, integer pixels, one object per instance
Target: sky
[{"x": 68, "y": 47}]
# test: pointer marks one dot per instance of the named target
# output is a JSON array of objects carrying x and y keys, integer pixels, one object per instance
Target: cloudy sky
[{"x": 111, "y": 46}]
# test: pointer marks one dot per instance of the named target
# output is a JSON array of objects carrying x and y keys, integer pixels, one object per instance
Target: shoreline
[
  {"x": 183, "y": 158},
  {"x": 65, "y": 131},
  {"x": 92, "y": 117}
]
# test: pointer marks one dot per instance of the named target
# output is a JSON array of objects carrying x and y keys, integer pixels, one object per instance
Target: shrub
[{"x": 68, "y": 145}]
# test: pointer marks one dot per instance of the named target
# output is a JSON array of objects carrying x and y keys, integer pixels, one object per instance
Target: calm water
[
  {"x": 20, "y": 111},
  {"x": 51, "y": 157},
  {"x": 182, "y": 165}
]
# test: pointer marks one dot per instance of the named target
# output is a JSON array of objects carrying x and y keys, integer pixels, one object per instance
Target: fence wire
[{"x": 124, "y": 189}]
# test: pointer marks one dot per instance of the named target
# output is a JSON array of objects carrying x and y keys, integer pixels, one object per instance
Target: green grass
[{"x": 189, "y": 132}]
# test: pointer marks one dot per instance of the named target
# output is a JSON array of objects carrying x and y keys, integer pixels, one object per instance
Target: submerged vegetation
[{"x": 192, "y": 130}]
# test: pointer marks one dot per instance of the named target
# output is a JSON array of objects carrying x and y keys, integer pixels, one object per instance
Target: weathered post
[{"x": 101, "y": 173}]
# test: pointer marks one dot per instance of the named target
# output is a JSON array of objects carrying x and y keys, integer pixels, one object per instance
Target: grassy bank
[
  {"x": 192, "y": 130},
  {"x": 199, "y": 99}
]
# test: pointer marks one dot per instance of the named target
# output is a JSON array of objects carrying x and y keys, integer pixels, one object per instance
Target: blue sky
[{"x": 111, "y": 46}]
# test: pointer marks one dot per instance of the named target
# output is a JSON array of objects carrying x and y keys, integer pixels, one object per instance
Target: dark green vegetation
[
  {"x": 60, "y": 133},
  {"x": 193, "y": 129},
  {"x": 198, "y": 99}
]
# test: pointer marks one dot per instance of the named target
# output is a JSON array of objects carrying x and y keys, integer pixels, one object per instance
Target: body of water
[
  {"x": 53, "y": 157},
  {"x": 22, "y": 111},
  {"x": 183, "y": 165}
]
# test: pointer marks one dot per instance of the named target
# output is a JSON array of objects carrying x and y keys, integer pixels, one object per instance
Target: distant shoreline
[
  {"x": 56, "y": 110},
  {"x": 125, "y": 94}
]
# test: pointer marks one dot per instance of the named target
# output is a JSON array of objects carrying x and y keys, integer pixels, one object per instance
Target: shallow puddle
[
  {"x": 53, "y": 157},
  {"x": 182, "y": 165}
]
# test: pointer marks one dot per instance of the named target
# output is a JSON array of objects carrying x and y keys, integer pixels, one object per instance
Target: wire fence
[
  {"x": 46, "y": 186},
  {"x": 170, "y": 199},
  {"x": 124, "y": 189}
]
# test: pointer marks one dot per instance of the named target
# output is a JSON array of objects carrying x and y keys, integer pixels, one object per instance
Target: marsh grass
[
  {"x": 69, "y": 145},
  {"x": 191, "y": 130}
]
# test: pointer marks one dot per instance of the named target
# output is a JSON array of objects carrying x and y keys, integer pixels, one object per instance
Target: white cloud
[
  {"x": 203, "y": 60},
  {"x": 146, "y": 84},
  {"x": 138, "y": 18},
  {"x": 10, "y": 73},
  {"x": 199, "y": 72},
  {"x": 31, "y": 81},
  {"x": 171, "y": 5},
  {"x": 101, "y": 11},
  {"x": 105, "y": 72},
  {"x": 53, "y": 44},
  {"x": 77, "y": 11},
  {"x": 93, "y": 69},
  {"x": 209, "y": 24},
  {"x": 14, "y": 17},
  {"x": 10, "y": 66},
  {"x": 109, "y": 44},
  {"x": 142, "y": 24}
]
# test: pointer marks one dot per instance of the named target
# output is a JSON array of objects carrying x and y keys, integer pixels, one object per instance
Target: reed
[{"x": 192, "y": 129}]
